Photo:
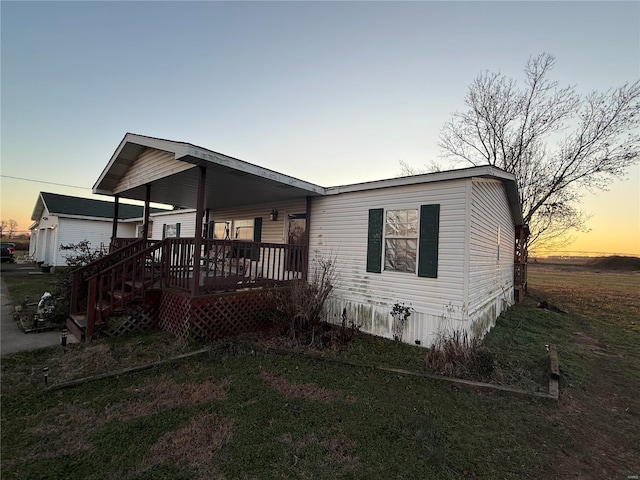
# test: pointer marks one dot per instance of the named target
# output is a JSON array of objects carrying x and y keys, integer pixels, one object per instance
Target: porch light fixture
[{"x": 274, "y": 215}]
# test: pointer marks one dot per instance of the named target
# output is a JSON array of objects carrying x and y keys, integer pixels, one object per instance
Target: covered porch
[{"x": 192, "y": 270}]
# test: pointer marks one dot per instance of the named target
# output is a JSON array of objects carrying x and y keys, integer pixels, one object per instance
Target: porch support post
[
  {"x": 116, "y": 214},
  {"x": 197, "y": 254},
  {"x": 305, "y": 258},
  {"x": 147, "y": 201}
]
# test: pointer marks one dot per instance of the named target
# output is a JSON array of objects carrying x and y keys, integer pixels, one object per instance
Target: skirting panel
[
  {"x": 138, "y": 318},
  {"x": 211, "y": 317}
]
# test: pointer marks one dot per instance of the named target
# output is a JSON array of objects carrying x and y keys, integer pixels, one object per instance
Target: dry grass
[
  {"x": 163, "y": 392},
  {"x": 307, "y": 391},
  {"x": 194, "y": 445}
]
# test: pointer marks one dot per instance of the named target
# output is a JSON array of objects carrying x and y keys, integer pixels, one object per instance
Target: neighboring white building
[{"x": 62, "y": 220}]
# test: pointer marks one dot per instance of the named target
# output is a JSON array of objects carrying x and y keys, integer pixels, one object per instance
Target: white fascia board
[
  {"x": 173, "y": 212},
  {"x": 217, "y": 158},
  {"x": 484, "y": 171},
  {"x": 38, "y": 209},
  {"x": 83, "y": 217}
]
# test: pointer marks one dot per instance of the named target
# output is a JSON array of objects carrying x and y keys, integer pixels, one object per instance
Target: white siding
[
  {"x": 272, "y": 231},
  {"x": 53, "y": 231},
  {"x": 338, "y": 229},
  {"x": 150, "y": 165},
  {"x": 46, "y": 238},
  {"x": 491, "y": 243},
  {"x": 96, "y": 232},
  {"x": 186, "y": 218}
]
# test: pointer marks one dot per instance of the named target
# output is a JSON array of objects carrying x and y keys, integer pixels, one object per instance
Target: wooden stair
[{"x": 108, "y": 285}]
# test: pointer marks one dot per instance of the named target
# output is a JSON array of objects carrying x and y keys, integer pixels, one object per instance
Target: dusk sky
[{"x": 328, "y": 92}]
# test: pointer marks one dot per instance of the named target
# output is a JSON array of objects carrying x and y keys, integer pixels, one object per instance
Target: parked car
[{"x": 7, "y": 251}]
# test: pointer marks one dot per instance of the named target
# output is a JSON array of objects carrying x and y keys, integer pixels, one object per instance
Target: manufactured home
[{"x": 448, "y": 245}]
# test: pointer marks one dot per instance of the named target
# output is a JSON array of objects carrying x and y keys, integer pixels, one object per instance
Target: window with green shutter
[
  {"x": 170, "y": 230},
  {"x": 405, "y": 240}
]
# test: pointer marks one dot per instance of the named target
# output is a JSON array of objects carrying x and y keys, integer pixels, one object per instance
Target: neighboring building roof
[{"x": 65, "y": 205}]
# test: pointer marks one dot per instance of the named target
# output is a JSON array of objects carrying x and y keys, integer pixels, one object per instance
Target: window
[
  {"x": 401, "y": 240},
  {"x": 410, "y": 240},
  {"x": 243, "y": 230},
  {"x": 222, "y": 230},
  {"x": 170, "y": 230}
]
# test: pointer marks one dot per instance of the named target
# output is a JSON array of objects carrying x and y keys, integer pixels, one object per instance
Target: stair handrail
[
  {"x": 98, "y": 285},
  {"x": 81, "y": 274}
]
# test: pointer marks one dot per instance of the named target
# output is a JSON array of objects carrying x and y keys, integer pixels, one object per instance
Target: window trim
[
  {"x": 428, "y": 248},
  {"x": 386, "y": 237}
]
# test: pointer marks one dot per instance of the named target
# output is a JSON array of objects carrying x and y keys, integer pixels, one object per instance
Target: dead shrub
[
  {"x": 456, "y": 354},
  {"x": 298, "y": 310}
]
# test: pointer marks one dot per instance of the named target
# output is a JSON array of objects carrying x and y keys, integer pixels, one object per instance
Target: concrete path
[{"x": 12, "y": 339}]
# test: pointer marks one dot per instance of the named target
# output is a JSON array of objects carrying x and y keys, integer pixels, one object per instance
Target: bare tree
[
  {"x": 11, "y": 227},
  {"x": 8, "y": 228},
  {"x": 552, "y": 139}
]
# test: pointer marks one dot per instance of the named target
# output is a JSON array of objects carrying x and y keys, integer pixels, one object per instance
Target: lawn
[{"x": 240, "y": 412}]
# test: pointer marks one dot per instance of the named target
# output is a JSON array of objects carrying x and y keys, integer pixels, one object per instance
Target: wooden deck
[{"x": 172, "y": 282}]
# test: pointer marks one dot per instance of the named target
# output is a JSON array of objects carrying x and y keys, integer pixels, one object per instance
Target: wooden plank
[
  {"x": 459, "y": 381},
  {"x": 554, "y": 367},
  {"x": 75, "y": 329},
  {"x": 79, "y": 381}
]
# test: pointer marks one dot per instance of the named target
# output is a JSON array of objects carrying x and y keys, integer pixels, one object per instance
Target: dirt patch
[
  {"x": 163, "y": 393},
  {"x": 604, "y": 435},
  {"x": 586, "y": 343},
  {"x": 193, "y": 445},
  {"x": 307, "y": 391},
  {"x": 64, "y": 433},
  {"x": 68, "y": 429}
]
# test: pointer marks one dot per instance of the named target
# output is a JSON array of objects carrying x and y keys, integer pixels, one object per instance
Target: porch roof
[{"x": 229, "y": 181}]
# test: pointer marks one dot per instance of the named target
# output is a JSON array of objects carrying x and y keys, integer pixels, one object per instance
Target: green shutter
[
  {"x": 374, "y": 240},
  {"x": 257, "y": 237},
  {"x": 177, "y": 230},
  {"x": 257, "y": 229},
  {"x": 428, "y": 249},
  {"x": 164, "y": 231}
]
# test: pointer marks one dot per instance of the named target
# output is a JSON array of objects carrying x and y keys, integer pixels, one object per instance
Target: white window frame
[{"x": 406, "y": 235}]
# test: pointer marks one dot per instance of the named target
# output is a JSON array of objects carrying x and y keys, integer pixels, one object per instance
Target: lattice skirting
[
  {"x": 138, "y": 318},
  {"x": 210, "y": 317}
]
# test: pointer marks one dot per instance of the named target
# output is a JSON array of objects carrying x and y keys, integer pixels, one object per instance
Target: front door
[{"x": 296, "y": 230}]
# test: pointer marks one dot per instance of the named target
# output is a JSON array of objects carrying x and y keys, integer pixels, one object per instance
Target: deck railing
[
  {"x": 225, "y": 265},
  {"x": 121, "y": 242}
]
